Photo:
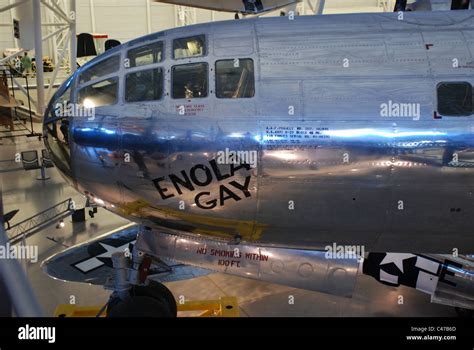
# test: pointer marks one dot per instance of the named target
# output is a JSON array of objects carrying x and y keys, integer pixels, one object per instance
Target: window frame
[
  {"x": 117, "y": 99},
  {"x": 189, "y": 64},
  {"x": 438, "y": 99},
  {"x": 85, "y": 83},
  {"x": 215, "y": 78},
  {"x": 206, "y": 47},
  {"x": 163, "y": 53},
  {"x": 149, "y": 68}
]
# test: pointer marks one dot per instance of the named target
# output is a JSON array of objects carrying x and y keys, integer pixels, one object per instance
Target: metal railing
[
  {"x": 10, "y": 74},
  {"x": 40, "y": 221}
]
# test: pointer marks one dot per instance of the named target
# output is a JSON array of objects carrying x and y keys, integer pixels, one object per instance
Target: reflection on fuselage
[{"x": 327, "y": 172}]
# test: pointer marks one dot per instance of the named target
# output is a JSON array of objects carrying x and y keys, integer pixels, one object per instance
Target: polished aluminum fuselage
[{"x": 330, "y": 167}]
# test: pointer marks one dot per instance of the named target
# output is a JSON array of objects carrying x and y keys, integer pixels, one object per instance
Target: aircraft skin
[{"x": 332, "y": 164}]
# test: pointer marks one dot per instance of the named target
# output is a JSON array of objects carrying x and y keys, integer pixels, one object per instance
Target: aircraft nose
[{"x": 56, "y": 131}]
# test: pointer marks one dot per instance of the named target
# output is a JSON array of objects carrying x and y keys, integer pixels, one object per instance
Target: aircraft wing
[
  {"x": 183, "y": 256},
  {"x": 241, "y": 6},
  {"x": 91, "y": 261}
]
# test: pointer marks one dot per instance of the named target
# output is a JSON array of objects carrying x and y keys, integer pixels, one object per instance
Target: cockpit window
[
  {"x": 99, "y": 94},
  {"x": 235, "y": 78},
  {"x": 193, "y": 46},
  {"x": 190, "y": 80},
  {"x": 145, "y": 85},
  {"x": 148, "y": 54},
  {"x": 100, "y": 69}
]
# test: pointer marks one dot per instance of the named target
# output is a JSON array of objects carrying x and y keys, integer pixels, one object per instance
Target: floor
[{"x": 21, "y": 190}]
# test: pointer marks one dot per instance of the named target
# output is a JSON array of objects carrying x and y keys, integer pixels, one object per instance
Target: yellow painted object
[
  {"x": 67, "y": 310},
  {"x": 224, "y": 307}
]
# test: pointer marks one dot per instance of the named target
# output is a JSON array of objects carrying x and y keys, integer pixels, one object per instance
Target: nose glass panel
[{"x": 56, "y": 128}]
